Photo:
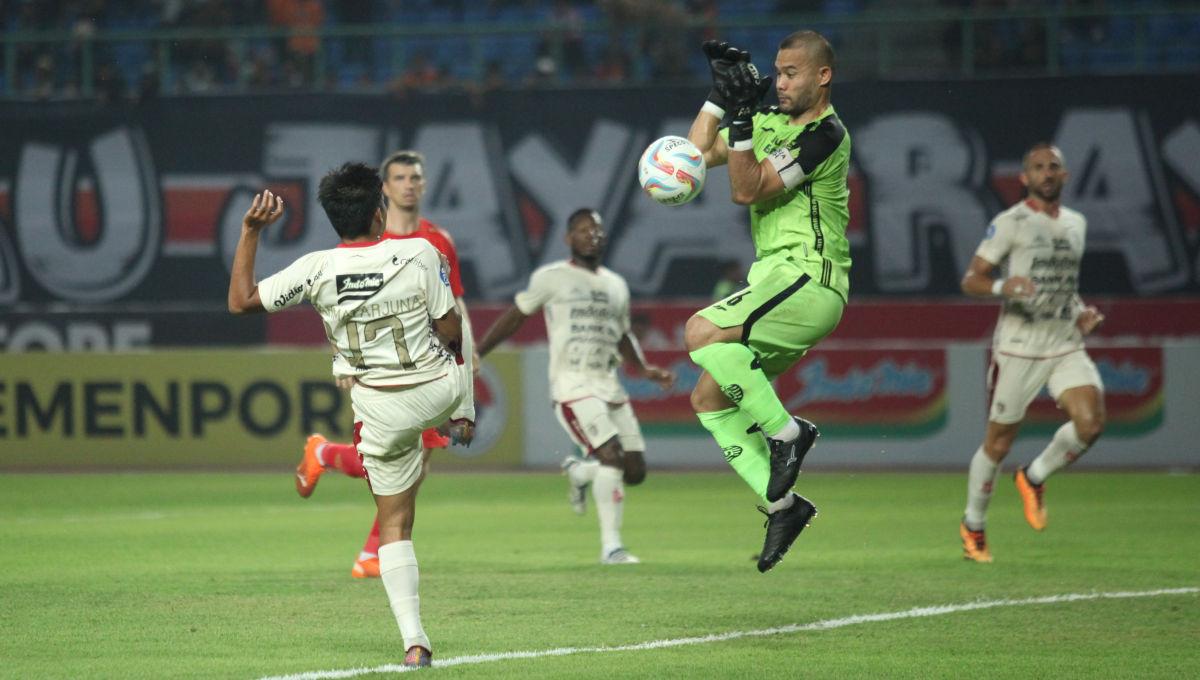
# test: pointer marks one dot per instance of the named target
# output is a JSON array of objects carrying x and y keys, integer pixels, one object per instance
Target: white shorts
[
  {"x": 1015, "y": 381},
  {"x": 591, "y": 422},
  {"x": 388, "y": 423}
]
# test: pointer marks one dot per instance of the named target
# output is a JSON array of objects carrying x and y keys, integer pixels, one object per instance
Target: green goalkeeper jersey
[{"x": 808, "y": 220}]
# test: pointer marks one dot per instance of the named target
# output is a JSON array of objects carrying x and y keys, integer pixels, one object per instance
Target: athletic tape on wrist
[
  {"x": 713, "y": 109},
  {"x": 742, "y": 145},
  {"x": 998, "y": 287}
]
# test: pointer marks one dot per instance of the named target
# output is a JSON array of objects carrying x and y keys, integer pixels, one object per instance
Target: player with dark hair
[
  {"x": 389, "y": 313},
  {"x": 403, "y": 175},
  {"x": 789, "y": 164},
  {"x": 1035, "y": 246},
  {"x": 586, "y": 306}
]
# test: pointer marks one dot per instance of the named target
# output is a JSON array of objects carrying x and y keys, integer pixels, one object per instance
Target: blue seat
[{"x": 516, "y": 53}]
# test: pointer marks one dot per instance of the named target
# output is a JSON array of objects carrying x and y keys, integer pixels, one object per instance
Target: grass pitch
[{"x": 233, "y": 576}]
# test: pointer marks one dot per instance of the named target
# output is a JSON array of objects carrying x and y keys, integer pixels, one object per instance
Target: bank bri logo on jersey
[{"x": 358, "y": 286}]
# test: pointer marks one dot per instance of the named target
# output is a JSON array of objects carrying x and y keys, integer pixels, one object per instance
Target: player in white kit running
[
  {"x": 586, "y": 307},
  {"x": 388, "y": 309},
  {"x": 1037, "y": 245}
]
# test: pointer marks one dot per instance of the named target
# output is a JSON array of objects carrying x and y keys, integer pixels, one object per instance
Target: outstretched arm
[
  {"x": 243, "y": 291},
  {"x": 631, "y": 352},
  {"x": 503, "y": 328}
]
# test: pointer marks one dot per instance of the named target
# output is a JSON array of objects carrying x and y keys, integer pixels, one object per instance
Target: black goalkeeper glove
[
  {"x": 722, "y": 60},
  {"x": 745, "y": 92}
]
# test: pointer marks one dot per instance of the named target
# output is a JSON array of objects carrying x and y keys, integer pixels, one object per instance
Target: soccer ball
[{"x": 672, "y": 170}]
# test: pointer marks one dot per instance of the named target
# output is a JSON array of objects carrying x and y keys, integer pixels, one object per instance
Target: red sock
[
  {"x": 344, "y": 458},
  {"x": 371, "y": 547}
]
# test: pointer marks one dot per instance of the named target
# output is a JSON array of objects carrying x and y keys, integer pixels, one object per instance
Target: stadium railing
[{"x": 870, "y": 44}]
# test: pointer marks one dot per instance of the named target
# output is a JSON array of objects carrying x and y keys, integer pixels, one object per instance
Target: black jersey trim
[
  {"x": 767, "y": 306},
  {"x": 815, "y": 145}
]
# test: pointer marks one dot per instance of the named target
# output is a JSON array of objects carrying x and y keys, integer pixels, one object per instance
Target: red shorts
[{"x": 430, "y": 439}]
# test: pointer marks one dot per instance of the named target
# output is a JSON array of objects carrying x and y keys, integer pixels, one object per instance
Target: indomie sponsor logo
[
  {"x": 885, "y": 379},
  {"x": 349, "y": 282},
  {"x": 591, "y": 313},
  {"x": 358, "y": 286}
]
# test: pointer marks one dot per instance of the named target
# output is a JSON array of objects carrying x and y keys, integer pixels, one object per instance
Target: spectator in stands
[
  {"x": 199, "y": 78},
  {"x": 545, "y": 72},
  {"x": 493, "y": 79},
  {"x": 657, "y": 22},
  {"x": 564, "y": 41},
  {"x": 422, "y": 74},
  {"x": 110, "y": 84},
  {"x": 148, "y": 87},
  {"x": 614, "y": 64},
  {"x": 43, "y": 77},
  {"x": 300, "y": 49}
]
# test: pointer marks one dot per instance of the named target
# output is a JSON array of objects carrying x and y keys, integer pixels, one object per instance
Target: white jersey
[
  {"x": 587, "y": 314},
  {"x": 377, "y": 301},
  {"x": 1047, "y": 249}
]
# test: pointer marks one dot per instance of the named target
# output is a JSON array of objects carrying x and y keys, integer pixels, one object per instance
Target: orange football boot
[
  {"x": 974, "y": 544},
  {"x": 1031, "y": 498},
  {"x": 368, "y": 568},
  {"x": 309, "y": 470}
]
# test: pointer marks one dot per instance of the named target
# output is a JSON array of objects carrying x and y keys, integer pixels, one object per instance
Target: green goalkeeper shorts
[{"x": 783, "y": 312}]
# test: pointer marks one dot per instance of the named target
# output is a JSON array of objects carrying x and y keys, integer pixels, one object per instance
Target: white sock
[
  {"x": 398, "y": 569},
  {"x": 788, "y": 433},
  {"x": 782, "y": 504},
  {"x": 608, "y": 488},
  {"x": 1062, "y": 450},
  {"x": 981, "y": 476},
  {"x": 321, "y": 453},
  {"x": 583, "y": 472},
  {"x": 364, "y": 555}
]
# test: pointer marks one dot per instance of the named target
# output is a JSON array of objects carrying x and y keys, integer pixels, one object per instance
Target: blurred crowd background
[{"x": 131, "y": 50}]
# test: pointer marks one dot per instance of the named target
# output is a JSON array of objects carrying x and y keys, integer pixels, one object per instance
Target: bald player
[
  {"x": 1029, "y": 258},
  {"x": 788, "y": 164}
]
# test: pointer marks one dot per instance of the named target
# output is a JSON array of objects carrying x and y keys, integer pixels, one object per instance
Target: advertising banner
[
  {"x": 883, "y": 392},
  {"x": 142, "y": 204},
  {"x": 203, "y": 409},
  {"x": 898, "y": 407},
  {"x": 1134, "y": 398}
]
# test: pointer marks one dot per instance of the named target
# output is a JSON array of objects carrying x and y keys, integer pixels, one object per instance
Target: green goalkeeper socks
[
  {"x": 746, "y": 453},
  {"x": 735, "y": 368}
]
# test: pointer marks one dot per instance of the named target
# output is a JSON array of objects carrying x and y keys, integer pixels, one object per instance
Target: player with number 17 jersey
[{"x": 376, "y": 301}]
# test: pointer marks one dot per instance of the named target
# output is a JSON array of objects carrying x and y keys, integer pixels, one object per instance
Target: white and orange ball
[{"x": 672, "y": 170}]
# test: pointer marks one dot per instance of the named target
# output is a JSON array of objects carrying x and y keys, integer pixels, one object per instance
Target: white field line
[{"x": 828, "y": 624}]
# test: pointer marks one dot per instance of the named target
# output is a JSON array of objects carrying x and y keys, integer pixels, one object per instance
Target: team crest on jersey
[
  {"x": 731, "y": 452},
  {"x": 358, "y": 286}
]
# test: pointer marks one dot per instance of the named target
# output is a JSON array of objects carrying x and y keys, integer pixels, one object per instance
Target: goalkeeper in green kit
[{"x": 788, "y": 163}]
